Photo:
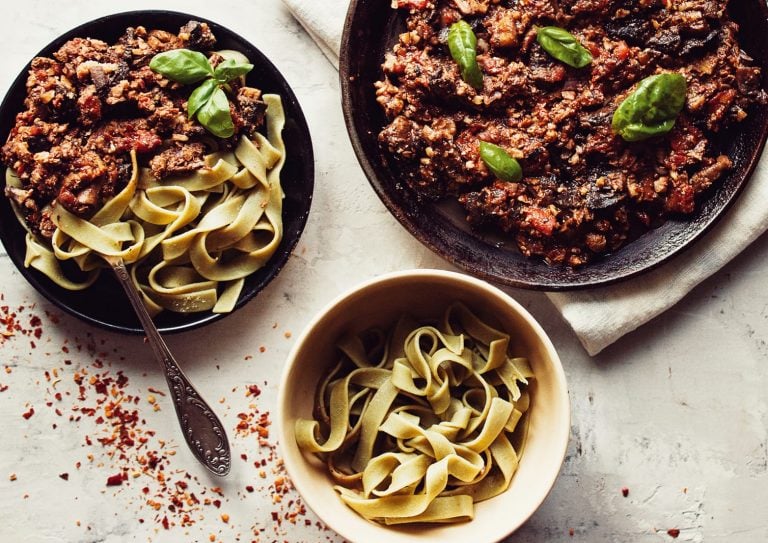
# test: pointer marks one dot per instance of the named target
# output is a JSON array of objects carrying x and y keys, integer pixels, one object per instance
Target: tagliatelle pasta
[
  {"x": 418, "y": 424},
  {"x": 188, "y": 242}
]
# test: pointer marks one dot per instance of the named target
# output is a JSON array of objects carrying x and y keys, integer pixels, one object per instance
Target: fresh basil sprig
[
  {"x": 208, "y": 103},
  {"x": 652, "y": 108},
  {"x": 500, "y": 163},
  {"x": 564, "y": 46},
  {"x": 182, "y": 65},
  {"x": 462, "y": 43}
]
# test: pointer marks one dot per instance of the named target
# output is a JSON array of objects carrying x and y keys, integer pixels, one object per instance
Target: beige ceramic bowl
[{"x": 426, "y": 293}]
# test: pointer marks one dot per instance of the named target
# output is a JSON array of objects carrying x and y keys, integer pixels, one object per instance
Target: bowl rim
[
  {"x": 556, "y": 367},
  {"x": 40, "y": 283},
  {"x": 634, "y": 267}
]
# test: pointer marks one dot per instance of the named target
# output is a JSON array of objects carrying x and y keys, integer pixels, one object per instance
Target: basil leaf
[
  {"x": 231, "y": 69},
  {"x": 462, "y": 44},
  {"x": 500, "y": 163},
  {"x": 215, "y": 116},
  {"x": 652, "y": 108},
  {"x": 200, "y": 96},
  {"x": 182, "y": 65},
  {"x": 563, "y": 46}
]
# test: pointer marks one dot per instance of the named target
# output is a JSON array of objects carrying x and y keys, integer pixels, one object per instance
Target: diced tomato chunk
[
  {"x": 681, "y": 199},
  {"x": 540, "y": 219},
  {"x": 621, "y": 51},
  {"x": 410, "y": 4}
]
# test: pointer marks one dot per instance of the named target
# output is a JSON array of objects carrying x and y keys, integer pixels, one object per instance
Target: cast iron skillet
[
  {"x": 372, "y": 27},
  {"x": 104, "y": 303}
]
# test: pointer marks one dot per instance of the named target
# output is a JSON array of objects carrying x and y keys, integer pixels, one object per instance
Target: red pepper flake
[
  {"x": 115, "y": 480},
  {"x": 249, "y": 488},
  {"x": 165, "y": 522},
  {"x": 262, "y": 349},
  {"x": 225, "y": 518},
  {"x": 625, "y": 491},
  {"x": 3, "y": 388},
  {"x": 29, "y": 413},
  {"x": 12, "y": 477},
  {"x": 571, "y": 532},
  {"x": 673, "y": 533},
  {"x": 64, "y": 476}
]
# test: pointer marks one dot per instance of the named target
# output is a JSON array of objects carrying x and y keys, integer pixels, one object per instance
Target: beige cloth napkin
[{"x": 601, "y": 316}]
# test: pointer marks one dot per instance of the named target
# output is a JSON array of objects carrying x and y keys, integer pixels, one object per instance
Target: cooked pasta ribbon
[
  {"x": 189, "y": 242},
  {"x": 419, "y": 424}
]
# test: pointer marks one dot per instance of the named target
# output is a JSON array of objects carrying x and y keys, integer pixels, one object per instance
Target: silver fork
[{"x": 202, "y": 429}]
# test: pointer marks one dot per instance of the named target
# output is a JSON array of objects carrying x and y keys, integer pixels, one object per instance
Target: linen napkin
[{"x": 601, "y": 316}]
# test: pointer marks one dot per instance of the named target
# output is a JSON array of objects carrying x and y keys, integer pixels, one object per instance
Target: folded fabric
[
  {"x": 601, "y": 316},
  {"x": 323, "y": 21}
]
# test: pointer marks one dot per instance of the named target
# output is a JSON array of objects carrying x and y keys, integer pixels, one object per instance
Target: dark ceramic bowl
[
  {"x": 104, "y": 303},
  {"x": 372, "y": 27}
]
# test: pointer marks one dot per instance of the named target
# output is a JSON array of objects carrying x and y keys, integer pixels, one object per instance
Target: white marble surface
[{"x": 676, "y": 412}]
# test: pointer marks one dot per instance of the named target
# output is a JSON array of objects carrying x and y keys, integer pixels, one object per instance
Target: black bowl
[
  {"x": 371, "y": 29},
  {"x": 104, "y": 303}
]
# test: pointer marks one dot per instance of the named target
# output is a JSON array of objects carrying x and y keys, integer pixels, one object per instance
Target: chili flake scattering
[
  {"x": 86, "y": 385},
  {"x": 85, "y": 392},
  {"x": 288, "y": 508}
]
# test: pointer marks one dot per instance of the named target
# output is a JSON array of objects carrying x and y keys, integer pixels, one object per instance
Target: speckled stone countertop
[{"x": 674, "y": 415}]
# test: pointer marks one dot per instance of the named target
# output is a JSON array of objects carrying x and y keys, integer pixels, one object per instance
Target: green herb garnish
[
  {"x": 500, "y": 163},
  {"x": 564, "y": 46},
  {"x": 462, "y": 44},
  {"x": 652, "y": 108},
  {"x": 208, "y": 103}
]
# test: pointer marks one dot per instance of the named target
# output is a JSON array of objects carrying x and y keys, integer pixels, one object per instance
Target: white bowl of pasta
[
  {"x": 423, "y": 406},
  {"x": 162, "y": 139}
]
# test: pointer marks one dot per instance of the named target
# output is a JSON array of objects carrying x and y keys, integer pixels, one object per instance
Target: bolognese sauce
[
  {"x": 91, "y": 104},
  {"x": 585, "y": 191}
]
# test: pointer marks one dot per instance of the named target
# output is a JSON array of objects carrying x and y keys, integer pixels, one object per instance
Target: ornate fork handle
[{"x": 202, "y": 429}]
